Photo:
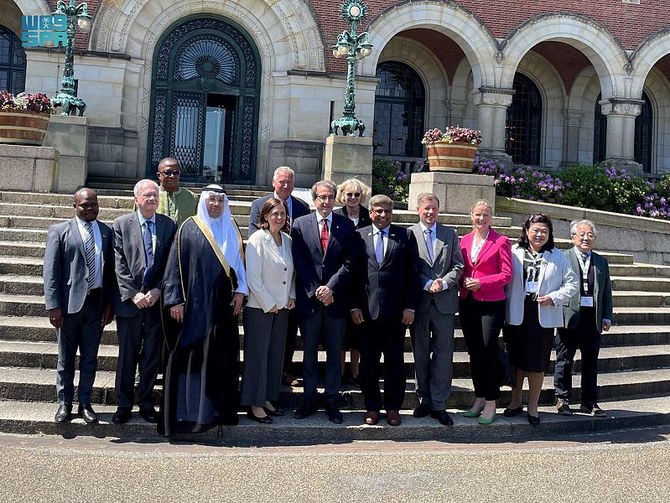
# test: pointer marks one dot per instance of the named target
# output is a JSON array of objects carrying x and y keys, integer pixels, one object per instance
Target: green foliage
[{"x": 388, "y": 179}]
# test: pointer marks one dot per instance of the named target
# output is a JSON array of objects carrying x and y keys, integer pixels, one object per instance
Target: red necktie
[{"x": 324, "y": 235}]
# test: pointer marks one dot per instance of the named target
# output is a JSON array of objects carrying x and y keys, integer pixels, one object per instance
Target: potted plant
[
  {"x": 24, "y": 117},
  {"x": 451, "y": 150}
]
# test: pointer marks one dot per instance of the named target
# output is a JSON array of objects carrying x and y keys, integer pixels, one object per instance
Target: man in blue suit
[
  {"x": 324, "y": 252},
  {"x": 78, "y": 291},
  {"x": 142, "y": 243},
  {"x": 384, "y": 300}
]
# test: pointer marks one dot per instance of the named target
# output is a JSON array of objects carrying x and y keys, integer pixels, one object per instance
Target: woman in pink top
[{"x": 488, "y": 268}]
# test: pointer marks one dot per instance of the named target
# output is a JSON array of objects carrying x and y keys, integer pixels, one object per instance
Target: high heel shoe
[
  {"x": 533, "y": 420},
  {"x": 472, "y": 413},
  {"x": 274, "y": 411},
  {"x": 263, "y": 420},
  {"x": 513, "y": 412},
  {"x": 486, "y": 420}
]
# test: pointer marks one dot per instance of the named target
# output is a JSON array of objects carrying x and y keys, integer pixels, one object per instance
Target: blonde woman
[{"x": 353, "y": 194}]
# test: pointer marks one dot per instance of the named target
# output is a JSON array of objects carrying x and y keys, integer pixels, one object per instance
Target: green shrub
[{"x": 389, "y": 179}]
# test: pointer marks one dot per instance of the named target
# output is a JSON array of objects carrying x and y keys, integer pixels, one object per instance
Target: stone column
[
  {"x": 572, "y": 125},
  {"x": 492, "y": 103},
  {"x": 69, "y": 135},
  {"x": 347, "y": 157},
  {"x": 620, "y": 147}
]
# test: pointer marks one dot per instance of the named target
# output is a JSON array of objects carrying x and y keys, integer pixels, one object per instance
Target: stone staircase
[{"x": 634, "y": 363}]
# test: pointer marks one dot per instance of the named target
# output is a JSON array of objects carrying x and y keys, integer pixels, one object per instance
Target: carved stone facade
[{"x": 466, "y": 56}]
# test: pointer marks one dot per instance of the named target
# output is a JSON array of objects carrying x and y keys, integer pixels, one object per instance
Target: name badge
[
  {"x": 586, "y": 302},
  {"x": 531, "y": 286}
]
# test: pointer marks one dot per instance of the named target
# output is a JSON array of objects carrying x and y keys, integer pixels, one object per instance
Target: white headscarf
[{"x": 226, "y": 234}]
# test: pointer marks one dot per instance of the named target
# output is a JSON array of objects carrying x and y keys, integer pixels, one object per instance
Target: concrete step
[
  {"x": 642, "y": 315},
  {"x": 43, "y": 355},
  {"x": 64, "y": 200},
  {"x": 21, "y": 285},
  {"x": 37, "y": 419},
  {"x": 38, "y": 385},
  {"x": 620, "y": 283},
  {"x": 23, "y": 235},
  {"x": 22, "y": 249},
  {"x": 640, "y": 299},
  {"x": 640, "y": 270},
  {"x": 21, "y": 266},
  {"x": 46, "y": 211}
]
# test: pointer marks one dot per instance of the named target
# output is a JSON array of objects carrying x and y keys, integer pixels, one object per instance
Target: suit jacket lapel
[
  {"x": 76, "y": 237},
  {"x": 440, "y": 235},
  {"x": 390, "y": 244},
  {"x": 370, "y": 246}
]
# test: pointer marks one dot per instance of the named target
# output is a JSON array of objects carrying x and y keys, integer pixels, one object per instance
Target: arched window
[
  {"x": 205, "y": 101},
  {"x": 12, "y": 62},
  {"x": 599, "y": 133},
  {"x": 399, "y": 111},
  {"x": 644, "y": 125},
  {"x": 524, "y": 122}
]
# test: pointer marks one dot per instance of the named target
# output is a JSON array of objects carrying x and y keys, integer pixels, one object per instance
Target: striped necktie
[{"x": 89, "y": 252}]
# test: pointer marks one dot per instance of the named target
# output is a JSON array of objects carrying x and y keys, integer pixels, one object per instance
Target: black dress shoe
[
  {"x": 122, "y": 415},
  {"x": 305, "y": 410},
  {"x": 149, "y": 414},
  {"x": 277, "y": 412},
  {"x": 263, "y": 420},
  {"x": 533, "y": 420},
  {"x": 422, "y": 410},
  {"x": 64, "y": 413},
  {"x": 443, "y": 417},
  {"x": 334, "y": 414},
  {"x": 513, "y": 412},
  {"x": 87, "y": 413}
]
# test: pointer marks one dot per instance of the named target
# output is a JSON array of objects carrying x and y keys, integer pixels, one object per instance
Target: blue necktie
[
  {"x": 148, "y": 251},
  {"x": 89, "y": 252},
  {"x": 379, "y": 250}
]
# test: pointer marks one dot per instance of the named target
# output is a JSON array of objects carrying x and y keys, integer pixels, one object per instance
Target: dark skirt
[{"x": 529, "y": 344}]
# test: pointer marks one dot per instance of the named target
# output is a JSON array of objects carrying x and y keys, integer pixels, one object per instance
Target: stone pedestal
[
  {"x": 26, "y": 168},
  {"x": 69, "y": 135},
  {"x": 347, "y": 157},
  {"x": 457, "y": 192}
]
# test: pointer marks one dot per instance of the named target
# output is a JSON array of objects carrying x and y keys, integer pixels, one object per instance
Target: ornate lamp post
[
  {"x": 66, "y": 97},
  {"x": 353, "y": 47}
]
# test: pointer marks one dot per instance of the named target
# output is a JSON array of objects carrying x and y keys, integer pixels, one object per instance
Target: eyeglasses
[
  {"x": 172, "y": 172},
  {"x": 585, "y": 235},
  {"x": 353, "y": 194},
  {"x": 324, "y": 198}
]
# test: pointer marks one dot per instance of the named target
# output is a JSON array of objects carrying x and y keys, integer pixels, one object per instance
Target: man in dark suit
[
  {"x": 586, "y": 316},
  {"x": 282, "y": 181},
  {"x": 142, "y": 243},
  {"x": 440, "y": 265},
  {"x": 385, "y": 300},
  {"x": 78, "y": 291},
  {"x": 324, "y": 251}
]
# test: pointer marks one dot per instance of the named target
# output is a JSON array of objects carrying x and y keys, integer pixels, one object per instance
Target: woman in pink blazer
[{"x": 488, "y": 268}]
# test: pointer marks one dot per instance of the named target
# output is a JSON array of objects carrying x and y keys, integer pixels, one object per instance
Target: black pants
[
  {"x": 585, "y": 337},
  {"x": 289, "y": 347},
  {"x": 387, "y": 337},
  {"x": 481, "y": 323}
]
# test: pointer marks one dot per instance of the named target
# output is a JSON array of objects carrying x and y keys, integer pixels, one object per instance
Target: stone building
[{"x": 235, "y": 88}]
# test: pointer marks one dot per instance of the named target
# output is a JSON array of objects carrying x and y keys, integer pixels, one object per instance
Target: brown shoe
[
  {"x": 371, "y": 417},
  {"x": 393, "y": 417},
  {"x": 563, "y": 407}
]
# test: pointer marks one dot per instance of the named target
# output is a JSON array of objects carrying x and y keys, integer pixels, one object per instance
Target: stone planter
[
  {"x": 456, "y": 157},
  {"x": 21, "y": 127}
]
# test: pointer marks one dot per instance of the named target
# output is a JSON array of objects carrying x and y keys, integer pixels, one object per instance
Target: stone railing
[{"x": 647, "y": 239}]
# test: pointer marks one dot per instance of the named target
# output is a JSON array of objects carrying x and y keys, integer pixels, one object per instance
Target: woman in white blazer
[
  {"x": 542, "y": 283},
  {"x": 271, "y": 281}
]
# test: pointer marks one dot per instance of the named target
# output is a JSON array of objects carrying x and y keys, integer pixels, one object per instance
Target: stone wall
[{"x": 647, "y": 239}]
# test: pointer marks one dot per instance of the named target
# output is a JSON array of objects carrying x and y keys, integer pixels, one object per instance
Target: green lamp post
[
  {"x": 353, "y": 47},
  {"x": 66, "y": 98}
]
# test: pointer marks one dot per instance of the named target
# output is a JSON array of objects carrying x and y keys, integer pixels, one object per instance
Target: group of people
[{"x": 177, "y": 276}]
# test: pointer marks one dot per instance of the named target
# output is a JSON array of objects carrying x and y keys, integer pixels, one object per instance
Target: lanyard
[{"x": 584, "y": 264}]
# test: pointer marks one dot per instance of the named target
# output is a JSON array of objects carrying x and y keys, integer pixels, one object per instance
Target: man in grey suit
[
  {"x": 440, "y": 267},
  {"x": 142, "y": 243},
  {"x": 282, "y": 182},
  {"x": 587, "y": 315},
  {"x": 78, "y": 293}
]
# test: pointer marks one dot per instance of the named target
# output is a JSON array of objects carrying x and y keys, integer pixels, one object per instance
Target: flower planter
[
  {"x": 458, "y": 157},
  {"x": 22, "y": 127}
]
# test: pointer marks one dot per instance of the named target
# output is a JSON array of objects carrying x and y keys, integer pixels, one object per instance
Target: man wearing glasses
[
  {"x": 586, "y": 317},
  {"x": 174, "y": 201},
  {"x": 324, "y": 253}
]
